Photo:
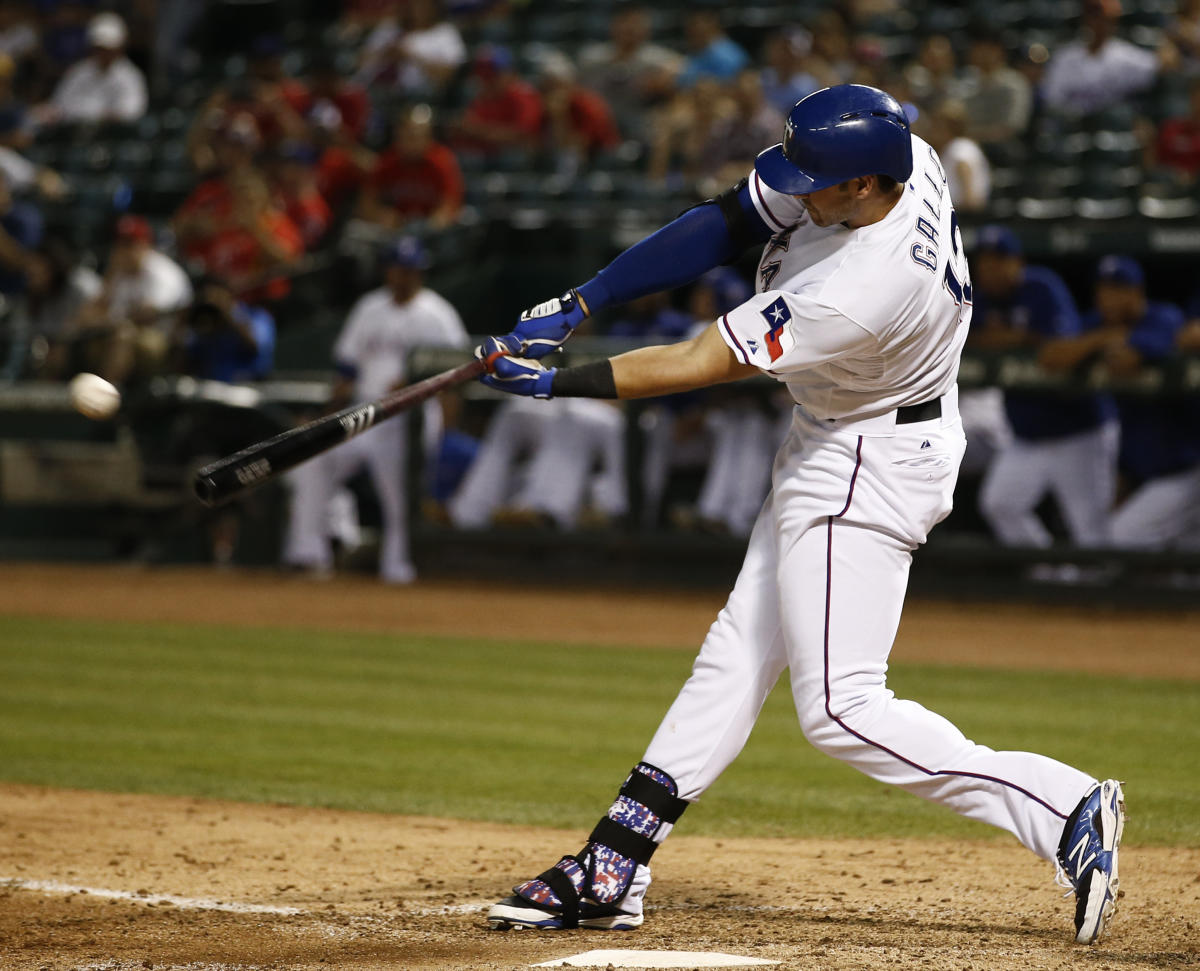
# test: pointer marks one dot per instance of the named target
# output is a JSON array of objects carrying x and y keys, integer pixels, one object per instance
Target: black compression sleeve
[{"x": 593, "y": 380}]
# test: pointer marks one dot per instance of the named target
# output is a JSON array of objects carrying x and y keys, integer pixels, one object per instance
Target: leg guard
[{"x": 600, "y": 875}]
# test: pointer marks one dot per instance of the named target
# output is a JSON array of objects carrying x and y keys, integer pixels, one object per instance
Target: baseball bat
[{"x": 228, "y": 477}]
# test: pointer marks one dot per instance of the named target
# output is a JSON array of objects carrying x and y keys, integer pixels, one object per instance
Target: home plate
[{"x": 654, "y": 959}]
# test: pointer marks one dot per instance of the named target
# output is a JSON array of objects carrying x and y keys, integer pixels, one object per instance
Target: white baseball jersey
[
  {"x": 838, "y": 317},
  {"x": 379, "y": 333}
]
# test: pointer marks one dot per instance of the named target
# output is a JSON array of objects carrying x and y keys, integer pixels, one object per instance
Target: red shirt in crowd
[
  {"x": 309, "y": 213},
  {"x": 351, "y": 102},
  {"x": 1179, "y": 144},
  {"x": 592, "y": 119},
  {"x": 418, "y": 187},
  {"x": 232, "y": 252},
  {"x": 517, "y": 106}
]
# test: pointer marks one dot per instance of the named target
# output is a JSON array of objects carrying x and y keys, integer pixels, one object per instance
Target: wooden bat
[{"x": 234, "y": 474}]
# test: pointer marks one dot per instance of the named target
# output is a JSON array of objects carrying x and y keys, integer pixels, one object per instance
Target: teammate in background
[
  {"x": 1160, "y": 437},
  {"x": 863, "y": 306},
  {"x": 1064, "y": 445},
  {"x": 371, "y": 354}
]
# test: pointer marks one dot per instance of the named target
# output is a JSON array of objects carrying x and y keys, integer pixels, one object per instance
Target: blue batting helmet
[{"x": 836, "y": 134}]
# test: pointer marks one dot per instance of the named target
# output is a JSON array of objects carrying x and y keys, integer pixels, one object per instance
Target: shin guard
[{"x": 602, "y": 873}]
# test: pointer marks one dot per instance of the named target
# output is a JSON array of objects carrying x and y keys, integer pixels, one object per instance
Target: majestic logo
[
  {"x": 358, "y": 421},
  {"x": 925, "y": 444},
  {"x": 753, "y": 345},
  {"x": 777, "y": 315}
]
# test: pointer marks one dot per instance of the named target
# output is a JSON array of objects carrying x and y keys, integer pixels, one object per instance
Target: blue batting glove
[
  {"x": 542, "y": 329},
  {"x": 516, "y": 375}
]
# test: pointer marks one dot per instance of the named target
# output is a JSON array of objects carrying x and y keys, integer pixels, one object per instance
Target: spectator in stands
[
  {"x": 18, "y": 32},
  {"x": 968, "y": 173},
  {"x": 333, "y": 103},
  {"x": 294, "y": 183},
  {"x": 933, "y": 76},
  {"x": 415, "y": 178},
  {"x": 1178, "y": 142},
  {"x": 415, "y": 51},
  {"x": 237, "y": 234},
  {"x": 132, "y": 318},
  {"x": 222, "y": 338},
  {"x": 1100, "y": 69},
  {"x": 24, "y": 177},
  {"x": 786, "y": 78},
  {"x": 713, "y": 53},
  {"x": 633, "y": 74},
  {"x": 15, "y": 133},
  {"x": 1160, "y": 438},
  {"x": 1062, "y": 445},
  {"x": 579, "y": 123},
  {"x": 506, "y": 112},
  {"x": 1000, "y": 99},
  {"x": 45, "y": 318},
  {"x": 684, "y": 129},
  {"x": 832, "y": 60},
  {"x": 736, "y": 139},
  {"x": 21, "y": 227},
  {"x": 105, "y": 86},
  {"x": 1184, "y": 32},
  {"x": 371, "y": 355}
]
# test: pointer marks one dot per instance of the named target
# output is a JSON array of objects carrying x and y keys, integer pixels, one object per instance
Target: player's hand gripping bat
[{"x": 234, "y": 474}]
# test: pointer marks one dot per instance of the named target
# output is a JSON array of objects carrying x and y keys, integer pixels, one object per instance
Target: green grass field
[{"x": 514, "y": 732}]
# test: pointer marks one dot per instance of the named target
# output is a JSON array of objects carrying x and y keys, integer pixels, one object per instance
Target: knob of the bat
[{"x": 494, "y": 348}]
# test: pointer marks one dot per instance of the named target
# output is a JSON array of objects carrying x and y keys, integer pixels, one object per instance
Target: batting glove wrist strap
[{"x": 543, "y": 328}]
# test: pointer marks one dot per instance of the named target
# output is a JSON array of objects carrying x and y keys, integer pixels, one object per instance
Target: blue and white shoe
[
  {"x": 517, "y": 913},
  {"x": 1087, "y": 857}
]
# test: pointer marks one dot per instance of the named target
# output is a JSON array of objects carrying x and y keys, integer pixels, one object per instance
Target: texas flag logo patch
[{"x": 777, "y": 315}]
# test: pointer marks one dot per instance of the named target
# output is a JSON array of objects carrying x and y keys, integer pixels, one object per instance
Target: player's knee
[{"x": 833, "y": 724}]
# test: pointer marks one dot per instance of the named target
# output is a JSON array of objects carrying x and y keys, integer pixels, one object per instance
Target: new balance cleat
[
  {"x": 1087, "y": 857},
  {"x": 517, "y": 913}
]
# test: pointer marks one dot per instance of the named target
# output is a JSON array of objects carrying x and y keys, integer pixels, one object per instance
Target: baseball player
[
  {"x": 371, "y": 354},
  {"x": 1160, "y": 439},
  {"x": 862, "y": 309},
  {"x": 1062, "y": 444}
]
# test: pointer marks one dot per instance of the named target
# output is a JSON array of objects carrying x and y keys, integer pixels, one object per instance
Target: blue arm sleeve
[{"x": 688, "y": 246}]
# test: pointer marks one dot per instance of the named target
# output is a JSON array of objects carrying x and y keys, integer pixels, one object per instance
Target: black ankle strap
[
  {"x": 565, "y": 890},
  {"x": 655, "y": 796}
]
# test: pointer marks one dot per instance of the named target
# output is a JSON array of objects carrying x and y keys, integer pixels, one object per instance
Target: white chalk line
[
  {"x": 205, "y": 903},
  {"x": 183, "y": 903}
]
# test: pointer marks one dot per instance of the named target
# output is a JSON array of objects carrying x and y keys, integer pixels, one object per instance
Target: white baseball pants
[
  {"x": 1163, "y": 512},
  {"x": 1080, "y": 470},
  {"x": 820, "y": 593},
  {"x": 382, "y": 451}
]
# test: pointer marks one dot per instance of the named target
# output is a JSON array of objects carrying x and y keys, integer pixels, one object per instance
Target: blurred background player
[
  {"x": 371, "y": 355},
  {"x": 1160, "y": 437},
  {"x": 1066, "y": 446}
]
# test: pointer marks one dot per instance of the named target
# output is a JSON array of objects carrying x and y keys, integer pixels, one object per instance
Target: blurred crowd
[{"x": 331, "y": 134}]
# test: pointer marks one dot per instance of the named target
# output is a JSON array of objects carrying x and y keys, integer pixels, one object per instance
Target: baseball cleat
[
  {"x": 516, "y": 913},
  {"x": 1087, "y": 855}
]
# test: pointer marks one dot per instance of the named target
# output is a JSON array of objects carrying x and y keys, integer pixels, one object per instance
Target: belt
[{"x": 927, "y": 411}]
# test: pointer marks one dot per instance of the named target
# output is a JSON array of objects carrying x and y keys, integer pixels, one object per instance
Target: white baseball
[{"x": 94, "y": 397}]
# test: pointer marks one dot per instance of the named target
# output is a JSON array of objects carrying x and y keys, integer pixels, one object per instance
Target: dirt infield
[{"x": 116, "y": 882}]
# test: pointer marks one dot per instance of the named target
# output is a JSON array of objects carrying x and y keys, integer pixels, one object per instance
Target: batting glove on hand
[
  {"x": 543, "y": 328},
  {"x": 516, "y": 375}
]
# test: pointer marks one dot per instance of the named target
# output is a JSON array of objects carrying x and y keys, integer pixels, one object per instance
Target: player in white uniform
[
  {"x": 863, "y": 308},
  {"x": 371, "y": 355}
]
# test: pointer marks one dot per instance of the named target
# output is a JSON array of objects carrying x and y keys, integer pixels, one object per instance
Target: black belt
[{"x": 926, "y": 411}]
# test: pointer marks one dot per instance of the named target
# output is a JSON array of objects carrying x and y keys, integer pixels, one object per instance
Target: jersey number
[{"x": 958, "y": 281}]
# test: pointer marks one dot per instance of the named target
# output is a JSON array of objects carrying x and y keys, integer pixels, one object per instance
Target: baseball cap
[
  {"x": 106, "y": 30},
  {"x": 131, "y": 227},
  {"x": 1121, "y": 270},
  {"x": 406, "y": 251},
  {"x": 995, "y": 238}
]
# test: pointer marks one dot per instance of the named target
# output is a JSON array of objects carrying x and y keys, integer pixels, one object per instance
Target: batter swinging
[{"x": 863, "y": 306}]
